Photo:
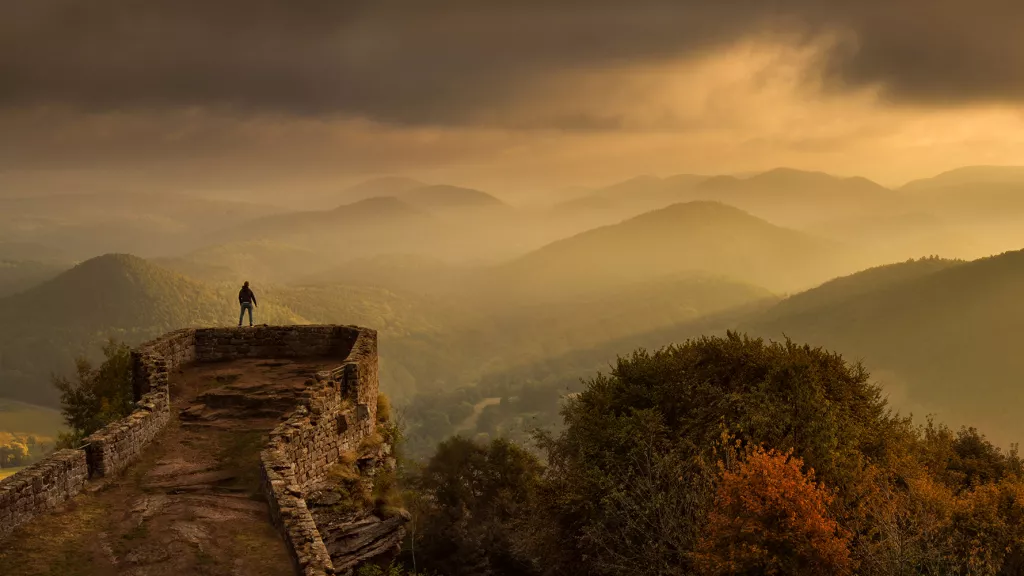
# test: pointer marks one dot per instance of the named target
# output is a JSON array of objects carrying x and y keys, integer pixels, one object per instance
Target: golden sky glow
[{"x": 758, "y": 101}]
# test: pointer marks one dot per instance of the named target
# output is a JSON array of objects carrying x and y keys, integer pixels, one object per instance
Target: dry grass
[
  {"x": 387, "y": 496},
  {"x": 383, "y": 408},
  {"x": 351, "y": 486},
  {"x": 371, "y": 443},
  {"x": 348, "y": 458}
]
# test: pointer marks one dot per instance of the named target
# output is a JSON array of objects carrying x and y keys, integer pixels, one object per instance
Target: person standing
[{"x": 247, "y": 300}]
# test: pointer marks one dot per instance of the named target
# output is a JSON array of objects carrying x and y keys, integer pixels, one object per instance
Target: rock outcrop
[{"x": 355, "y": 521}]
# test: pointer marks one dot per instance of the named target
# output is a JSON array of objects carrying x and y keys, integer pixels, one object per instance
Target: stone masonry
[
  {"x": 337, "y": 411},
  {"x": 336, "y": 417},
  {"x": 41, "y": 487}
]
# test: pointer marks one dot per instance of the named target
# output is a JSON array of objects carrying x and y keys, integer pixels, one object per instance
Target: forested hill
[
  {"x": 948, "y": 341},
  {"x": 131, "y": 299},
  {"x": 695, "y": 236}
]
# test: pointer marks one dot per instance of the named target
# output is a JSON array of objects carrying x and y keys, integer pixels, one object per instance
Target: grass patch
[
  {"x": 347, "y": 458},
  {"x": 387, "y": 497},
  {"x": 345, "y": 480},
  {"x": 371, "y": 443},
  {"x": 383, "y": 408}
]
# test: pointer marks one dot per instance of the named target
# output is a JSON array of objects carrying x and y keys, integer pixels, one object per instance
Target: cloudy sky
[{"x": 234, "y": 95}]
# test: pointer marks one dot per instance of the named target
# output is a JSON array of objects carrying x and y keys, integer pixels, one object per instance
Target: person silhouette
[{"x": 247, "y": 300}]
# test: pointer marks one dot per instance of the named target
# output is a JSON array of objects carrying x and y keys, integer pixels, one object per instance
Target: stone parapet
[
  {"x": 41, "y": 487},
  {"x": 220, "y": 344},
  {"x": 337, "y": 411},
  {"x": 334, "y": 418},
  {"x": 112, "y": 448}
]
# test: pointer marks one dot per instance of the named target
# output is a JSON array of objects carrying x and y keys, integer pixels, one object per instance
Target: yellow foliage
[
  {"x": 371, "y": 443},
  {"x": 383, "y": 408}
]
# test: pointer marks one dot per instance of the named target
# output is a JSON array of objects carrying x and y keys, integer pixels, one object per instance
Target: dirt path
[{"x": 192, "y": 505}]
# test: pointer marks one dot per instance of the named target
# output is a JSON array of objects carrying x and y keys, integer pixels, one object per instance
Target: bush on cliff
[{"x": 98, "y": 396}]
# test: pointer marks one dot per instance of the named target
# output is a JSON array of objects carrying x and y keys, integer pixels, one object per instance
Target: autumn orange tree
[
  {"x": 770, "y": 517},
  {"x": 627, "y": 487}
]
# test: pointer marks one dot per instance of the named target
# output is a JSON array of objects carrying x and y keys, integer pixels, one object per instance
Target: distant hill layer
[
  {"x": 427, "y": 341},
  {"x": 444, "y": 197},
  {"x": 130, "y": 299},
  {"x": 84, "y": 225},
  {"x": 706, "y": 237},
  {"x": 257, "y": 260},
  {"x": 378, "y": 187},
  {"x": 370, "y": 225},
  {"x": 782, "y": 196},
  {"x": 16, "y": 276},
  {"x": 945, "y": 336},
  {"x": 32, "y": 252},
  {"x": 848, "y": 287},
  {"x": 968, "y": 175}
]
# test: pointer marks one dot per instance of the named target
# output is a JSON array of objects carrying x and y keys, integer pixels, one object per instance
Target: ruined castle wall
[
  {"x": 60, "y": 476},
  {"x": 41, "y": 487},
  {"x": 335, "y": 418},
  {"x": 112, "y": 448},
  {"x": 116, "y": 446},
  {"x": 218, "y": 344},
  {"x": 153, "y": 361}
]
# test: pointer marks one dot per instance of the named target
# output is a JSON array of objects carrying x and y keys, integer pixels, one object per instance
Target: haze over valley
[
  {"x": 679, "y": 288},
  {"x": 465, "y": 286}
]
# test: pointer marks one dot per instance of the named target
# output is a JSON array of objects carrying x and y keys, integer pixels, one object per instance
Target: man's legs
[
  {"x": 249, "y": 306},
  {"x": 241, "y": 314}
]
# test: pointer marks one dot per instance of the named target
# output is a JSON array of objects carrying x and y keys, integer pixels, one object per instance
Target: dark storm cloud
[{"x": 443, "y": 61}]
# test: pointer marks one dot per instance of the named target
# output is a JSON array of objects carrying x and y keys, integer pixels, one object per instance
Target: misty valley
[
  {"x": 791, "y": 324},
  {"x": 511, "y": 288}
]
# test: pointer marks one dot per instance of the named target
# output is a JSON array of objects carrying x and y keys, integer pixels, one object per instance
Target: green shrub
[{"x": 99, "y": 396}]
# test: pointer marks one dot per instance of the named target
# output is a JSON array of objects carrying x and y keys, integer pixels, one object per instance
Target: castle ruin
[{"x": 309, "y": 394}]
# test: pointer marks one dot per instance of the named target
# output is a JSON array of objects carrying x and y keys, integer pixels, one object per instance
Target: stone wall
[
  {"x": 153, "y": 361},
  {"x": 336, "y": 414},
  {"x": 61, "y": 475},
  {"x": 216, "y": 344},
  {"x": 112, "y": 448},
  {"x": 116, "y": 446},
  {"x": 41, "y": 487},
  {"x": 335, "y": 418}
]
